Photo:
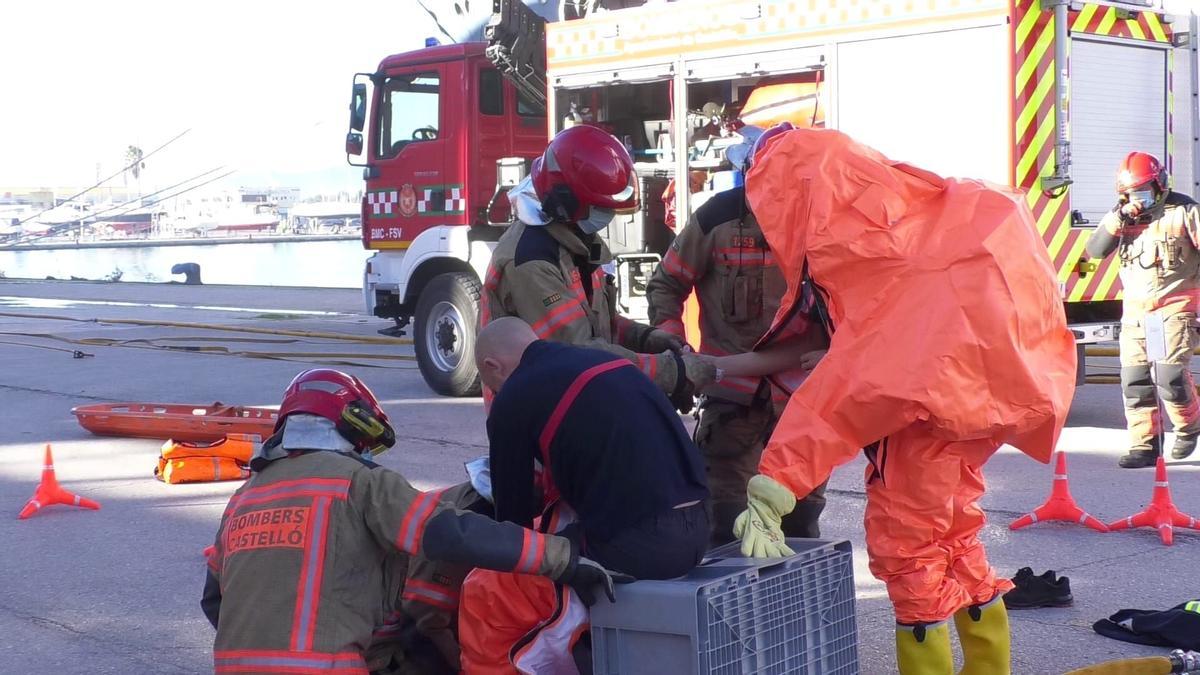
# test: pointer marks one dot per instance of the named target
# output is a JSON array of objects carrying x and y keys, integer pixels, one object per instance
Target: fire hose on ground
[
  {"x": 361, "y": 359},
  {"x": 1177, "y": 661}
]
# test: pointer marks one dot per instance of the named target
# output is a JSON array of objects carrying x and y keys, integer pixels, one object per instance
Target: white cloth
[
  {"x": 525, "y": 203},
  {"x": 312, "y": 432},
  {"x": 480, "y": 472}
]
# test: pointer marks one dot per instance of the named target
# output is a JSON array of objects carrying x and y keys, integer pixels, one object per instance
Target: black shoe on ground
[
  {"x": 1184, "y": 446},
  {"x": 1046, "y": 590},
  {"x": 1138, "y": 458}
]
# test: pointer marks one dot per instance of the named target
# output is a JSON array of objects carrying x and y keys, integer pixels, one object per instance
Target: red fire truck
[{"x": 1019, "y": 92}]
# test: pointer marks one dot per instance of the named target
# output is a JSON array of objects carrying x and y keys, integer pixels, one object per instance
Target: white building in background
[
  {"x": 282, "y": 197},
  {"x": 336, "y": 217}
]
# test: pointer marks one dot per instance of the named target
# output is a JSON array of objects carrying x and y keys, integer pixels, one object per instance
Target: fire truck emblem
[{"x": 408, "y": 201}]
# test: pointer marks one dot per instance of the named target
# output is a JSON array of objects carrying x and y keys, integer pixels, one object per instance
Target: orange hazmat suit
[{"x": 948, "y": 340}]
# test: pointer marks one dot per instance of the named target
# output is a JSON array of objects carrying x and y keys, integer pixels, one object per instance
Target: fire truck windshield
[{"x": 408, "y": 112}]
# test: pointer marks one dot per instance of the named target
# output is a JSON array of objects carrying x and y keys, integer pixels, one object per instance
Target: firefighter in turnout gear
[
  {"x": 722, "y": 254},
  {"x": 550, "y": 267},
  {"x": 296, "y": 576},
  {"x": 1156, "y": 235}
]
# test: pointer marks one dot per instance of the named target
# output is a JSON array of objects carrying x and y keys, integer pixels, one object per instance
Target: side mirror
[
  {"x": 358, "y": 107},
  {"x": 354, "y": 143}
]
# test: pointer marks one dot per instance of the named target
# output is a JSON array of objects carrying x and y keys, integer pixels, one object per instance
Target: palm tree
[{"x": 133, "y": 160}]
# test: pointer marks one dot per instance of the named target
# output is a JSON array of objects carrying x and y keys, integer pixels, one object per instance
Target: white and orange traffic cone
[
  {"x": 1061, "y": 505},
  {"x": 1161, "y": 514},
  {"x": 48, "y": 492}
]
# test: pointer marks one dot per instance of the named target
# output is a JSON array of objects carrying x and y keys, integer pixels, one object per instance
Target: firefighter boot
[
  {"x": 924, "y": 649},
  {"x": 983, "y": 632},
  {"x": 1141, "y": 456},
  {"x": 1183, "y": 447}
]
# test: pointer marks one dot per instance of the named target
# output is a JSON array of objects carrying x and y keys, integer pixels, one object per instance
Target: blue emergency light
[{"x": 431, "y": 42}]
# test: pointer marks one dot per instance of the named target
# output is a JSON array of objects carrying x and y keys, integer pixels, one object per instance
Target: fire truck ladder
[{"x": 516, "y": 39}]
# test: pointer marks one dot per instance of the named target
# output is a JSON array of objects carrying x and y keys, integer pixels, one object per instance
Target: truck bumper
[
  {"x": 1091, "y": 333},
  {"x": 1088, "y": 333},
  {"x": 381, "y": 289}
]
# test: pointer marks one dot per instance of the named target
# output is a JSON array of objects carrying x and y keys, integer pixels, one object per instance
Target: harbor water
[{"x": 322, "y": 263}]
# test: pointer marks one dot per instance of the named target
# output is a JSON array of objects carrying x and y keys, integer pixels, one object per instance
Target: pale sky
[{"x": 263, "y": 85}]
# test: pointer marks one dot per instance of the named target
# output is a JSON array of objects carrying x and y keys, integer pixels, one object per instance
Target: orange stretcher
[{"x": 178, "y": 421}]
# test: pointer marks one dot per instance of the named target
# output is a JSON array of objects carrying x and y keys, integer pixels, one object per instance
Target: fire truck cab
[{"x": 440, "y": 119}]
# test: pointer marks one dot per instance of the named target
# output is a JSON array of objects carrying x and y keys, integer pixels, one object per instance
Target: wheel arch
[{"x": 431, "y": 268}]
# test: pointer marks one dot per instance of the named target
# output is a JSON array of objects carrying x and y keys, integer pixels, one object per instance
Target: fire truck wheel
[{"x": 444, "y": 335}]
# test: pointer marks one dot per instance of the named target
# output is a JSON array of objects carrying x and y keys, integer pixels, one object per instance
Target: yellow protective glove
[{"x": 759, "y": 526}]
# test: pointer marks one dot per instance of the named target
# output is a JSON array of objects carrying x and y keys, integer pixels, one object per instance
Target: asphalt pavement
[{"x": 117, "y": 590}]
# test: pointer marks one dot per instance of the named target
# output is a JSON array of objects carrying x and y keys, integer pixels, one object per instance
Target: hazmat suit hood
[{"x": 942, "y": 300}]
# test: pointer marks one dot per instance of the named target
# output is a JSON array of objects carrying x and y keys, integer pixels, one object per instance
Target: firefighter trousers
[
  {"x": 1174, "y": 382},
  {"x": 732, "y": 437},
  {"x": 922, "y": 524},
  {"x": 663, "y": 546}
]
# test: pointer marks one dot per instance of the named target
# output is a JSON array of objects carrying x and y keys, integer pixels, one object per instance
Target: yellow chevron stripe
[
  {"x": 1106, "y": 24},
  {"x": 1060, "y": 234},
  {"x": 1043, "y": 218},
  {"x": 1027, "y": 22},
  {"x": 1076, "y": 251},
  {"x": 1072, "y": 259},
  {"x": 1108, "y": 280},
  {"x": 1085, "y": 15},
  {"x": 1029, "y": 67},
  {"x": 1135, "y": 29},
  {"x": 1031, "y": 198},
  {"x": 1031, "y": 153},
  {"x": 1029, "y": 112},
  {"x": 1156, "y": 27}
]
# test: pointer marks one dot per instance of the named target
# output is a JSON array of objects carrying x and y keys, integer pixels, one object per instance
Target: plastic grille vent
[{"x": 801, "y": 620}]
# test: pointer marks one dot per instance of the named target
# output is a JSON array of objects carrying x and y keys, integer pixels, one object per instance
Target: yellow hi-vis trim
[
  {"x": 1156, "y": 27},
  {"x": 1085, "y": 17}
]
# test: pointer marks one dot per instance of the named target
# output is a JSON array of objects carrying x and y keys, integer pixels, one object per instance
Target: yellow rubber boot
[
  {"x": 986, "y": 641},
  {"x": 924, "y": 649}
]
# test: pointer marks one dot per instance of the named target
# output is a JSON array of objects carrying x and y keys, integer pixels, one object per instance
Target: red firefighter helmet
[
  {"x": 1140, "y": 168},
  {"x": 344, "y": 400},
  {"x": 584, "y": 167}
]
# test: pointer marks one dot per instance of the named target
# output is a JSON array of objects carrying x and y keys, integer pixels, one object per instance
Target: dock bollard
[{"x": 190, "y": 272}]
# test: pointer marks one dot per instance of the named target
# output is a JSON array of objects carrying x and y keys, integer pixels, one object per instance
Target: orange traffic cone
[
  {"x": 1061, "y": 505},
  {"x": 1161, "y": 513},
  {"x": 48, "y": 492}
]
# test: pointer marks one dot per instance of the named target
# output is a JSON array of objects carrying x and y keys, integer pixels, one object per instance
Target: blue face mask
[
  {"x": 1143, "y": 198},
  {"x": 597, "y": 220}
]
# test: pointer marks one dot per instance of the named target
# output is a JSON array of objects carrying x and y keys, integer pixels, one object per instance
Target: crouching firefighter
[
  {"x": 618, "y": 473},
  {"x": 295, "y": 575},
  {"x": 548, "y": 268}
]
